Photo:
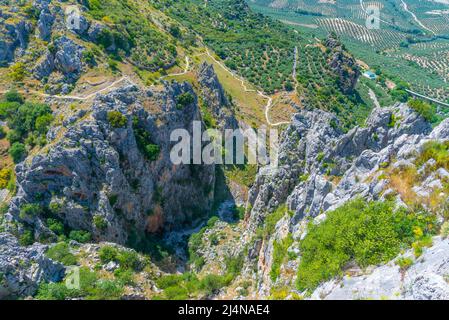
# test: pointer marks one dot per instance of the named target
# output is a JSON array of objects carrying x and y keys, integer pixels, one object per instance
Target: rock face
[
  {"x": 313, "y": 150},
  {"x": 45, "y": 24},
  {"x": 66, "y": 58},
  {"x": 23, "y": 268},
  {"x": 99, "y": 178},
  {"x": 214, "y": 95},
  {"x": 343, "y": 64},
  {"x": 426, "y": 279},
  {"x": 13, "y": 40}
]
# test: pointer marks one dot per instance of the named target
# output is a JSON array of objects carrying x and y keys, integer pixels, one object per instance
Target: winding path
[
  {"x": 405, "y": 6},
  {"x": 186, "y": 69},
  {"x": 260, "y": 93}
]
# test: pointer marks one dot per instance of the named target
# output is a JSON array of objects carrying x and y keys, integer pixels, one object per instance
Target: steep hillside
[{"x": 90, "y": 94}]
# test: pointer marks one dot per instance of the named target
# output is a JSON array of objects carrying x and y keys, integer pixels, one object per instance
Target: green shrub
[
  {"x": 146, "y": 146},
  {"x": 211, "y": 283},
  {"x": 80, "y": 236},
  {"x": 272, "y": 219},
  {"x": 53, "y": 291},
  {"x": 421, "y": 243},
  {"x": 56, "y": 226},
  {"x": 107, "y": 290},
  {"x": 61, "y": 252},
  {"x": 13, "y": 96},
  {"x": 100, "y": 223},
  {"x": 91, "y": 288},
  {"x": 17, "y": 152},
  {"x": 5, "y": 176},
  {"x": 17, "y": 71},
  {"x": 30, "y": 210},
  {"x": 117, "y": 119},
  {"x": 404, "y": 263},
  {"x": 128, "y": 260},
  {"x": 108, "y": 254},
  {"x": 176, "y": 293},
  {"x": 43, "y": 123},
  {"x": 239, "y": 213},
  {"x": 280, "y": 253},
  {"x": 436, "y": 150},
  {"x": 170, "y": 280},
  {"x": 424, "y": 109},
  {"x": 113, "y": 199},
  {"x": 89, "y": 58},
  {"x": 113, "y": 65},
  {"x": 184, "y": 99},
  {"x": 126, "y": 277},
  {"x": 26, "y": 238},
  {"x": 366, "y": 233}
]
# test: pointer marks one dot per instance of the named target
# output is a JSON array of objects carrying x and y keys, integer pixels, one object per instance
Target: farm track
[
  {"x": 405, "y": 6},
  {"x": 186, "y": 69}
]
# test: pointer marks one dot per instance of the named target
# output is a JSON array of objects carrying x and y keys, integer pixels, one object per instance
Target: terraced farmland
[
  {"x": 380, "y": 39},
  {"x": 412, "y": 44}
]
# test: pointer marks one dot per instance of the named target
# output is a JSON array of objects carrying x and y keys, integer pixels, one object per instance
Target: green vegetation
[
  {"x": 189, "y": 286},
  {"x": 402, "y": 48},
  {"x": 131, "y": 33},
  {"x": 127, "y": 259},
  {"x": 280, "y": 253},
  {"x": 183, "y": 100},
  {"x": 255, "y": 46},
  {"x": 244, "y": 174},
  {"x": 116, "y": 119},
  {"x": 99, "y": 222},
  {"x": 26, "y": 238},
  {"x": 28, "y": 123},
  {"x": 28, "y": 211},
  {"x": 149, "y": 149},
  {"x": 404, "y": 263},
  {"x": 92, "y": 287},
  {"x": 61, "y": 252},
  {"x": 195, "y": 243},
  {"x": 17, "y": 152},
  {"x": 80, "y": 236},
  {"x": 427, "y": 111},
  {"x": 366, "y": 233},
  {"x": 436, "y": 150},
  {"x": 271, "y": 220},
  {"x": 17, "y": 71}
]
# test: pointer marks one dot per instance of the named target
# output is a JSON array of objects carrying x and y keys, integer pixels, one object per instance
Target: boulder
[{"x": 22, "y": 269}]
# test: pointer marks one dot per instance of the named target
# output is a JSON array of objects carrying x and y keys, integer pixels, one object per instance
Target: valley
[{"x": 356, "y": 205}]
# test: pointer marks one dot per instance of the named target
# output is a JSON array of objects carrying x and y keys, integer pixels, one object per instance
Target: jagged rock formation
[
  {"x": 14, "y": 39},
  {"x": 343, "y": 64},
  {"x": 45, "y": 24},
  {"x": 66, "y": 58},
  {"x": 97, "y": 172},
  {"x": 214, "y": 95},
  {"x": 23, "y": 268},
  {"x": 313, "y": 151}
]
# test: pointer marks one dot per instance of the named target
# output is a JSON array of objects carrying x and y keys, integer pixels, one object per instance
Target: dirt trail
[
  {"x": 186, "y": 69},
  {"x": 245, "y": 88}
]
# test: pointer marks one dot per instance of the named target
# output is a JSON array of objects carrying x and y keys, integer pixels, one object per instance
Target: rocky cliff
[
  {"x": 343, "y": 64},
  {"x": 23, "y": 268},
  {"x": 113, "y": 176},
  {"x": 322, "y": 168}
]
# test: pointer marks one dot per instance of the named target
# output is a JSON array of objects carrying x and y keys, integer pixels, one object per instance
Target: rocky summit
[{"x": 100, "y": 99}]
